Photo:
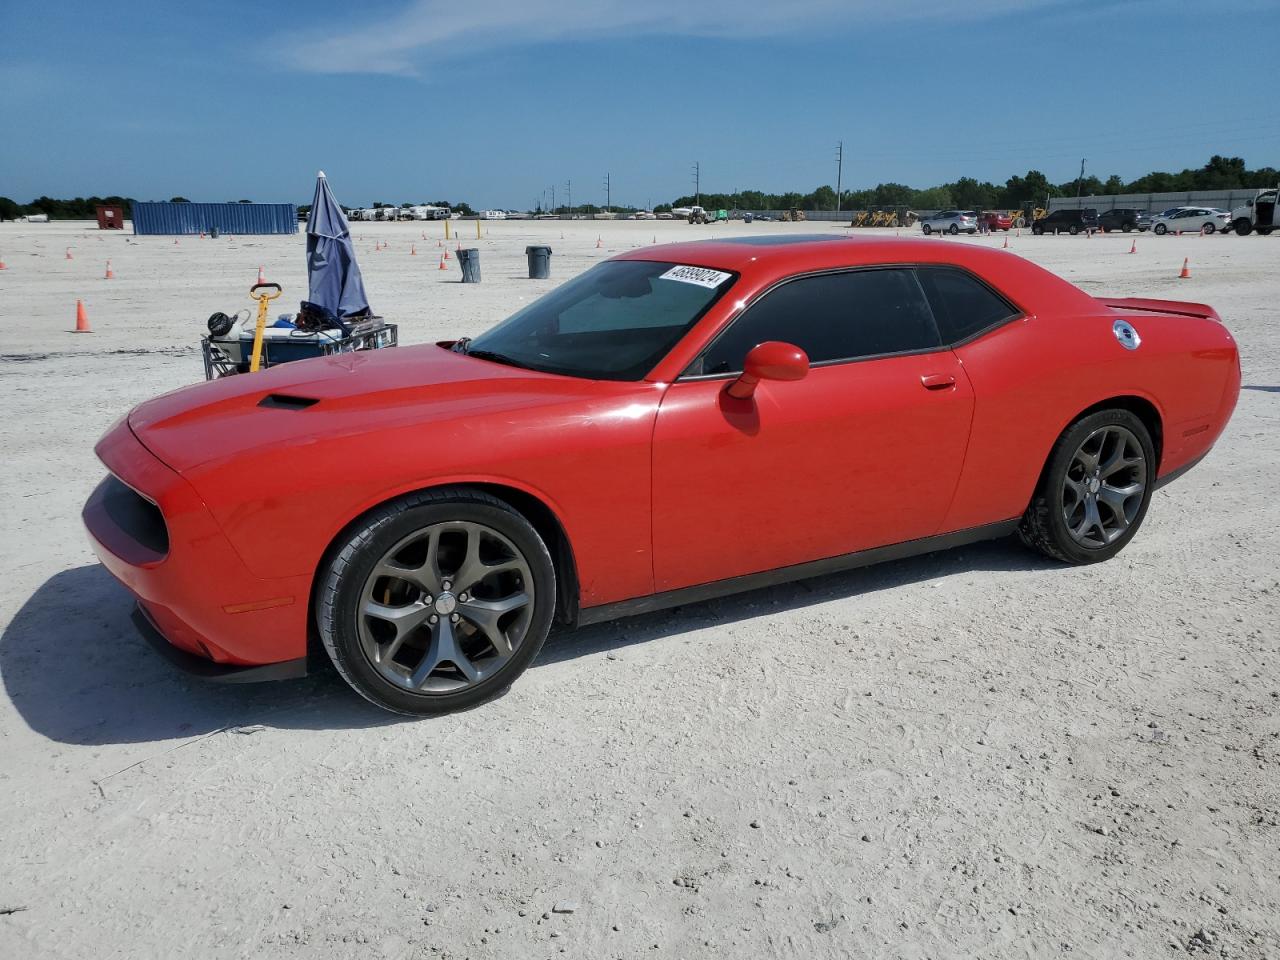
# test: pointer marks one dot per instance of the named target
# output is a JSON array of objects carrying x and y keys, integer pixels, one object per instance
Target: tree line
[{"x": 1220, "y": 173}]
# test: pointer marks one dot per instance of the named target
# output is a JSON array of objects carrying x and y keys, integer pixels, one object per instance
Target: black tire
[
  {"x": 954, "y": 229},
  {"x": 1127, "y": 227},
  {"x": 1038, "y": 230},
  {"x": 1243, "y": 227},
  {"x": 1073, "y": 230},
  {"x": 361, "y": 547},
  {"x": 1209, "y": 228},
  {"x": 926, "y": 229},
  {"x": 1160, "y": 229},
  {"x": 1265, "y": 231},
  {"x": 1044, "y": 525}
]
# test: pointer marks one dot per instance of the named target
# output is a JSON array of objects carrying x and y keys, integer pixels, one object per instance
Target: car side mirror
[{"x": 771, "y": 360}]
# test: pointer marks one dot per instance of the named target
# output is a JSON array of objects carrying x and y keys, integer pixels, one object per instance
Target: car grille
[{"x": 136, "y": 516}]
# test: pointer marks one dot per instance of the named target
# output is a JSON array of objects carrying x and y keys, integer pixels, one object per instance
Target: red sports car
[
  {"x": 676, "y": 423},
  {"x": 995, "y": 220}
]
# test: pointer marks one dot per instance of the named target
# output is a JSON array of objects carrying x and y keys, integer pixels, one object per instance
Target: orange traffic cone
[
  {"x": 413, "y": 249},
  {"x": 1133, "y": 247},
  {"x": 261, "y": 276},
  {"x": 446, "y": 255},
  {"x": 442, "y": 266},
  {"x": 2, "y": 266},
  {"x": 69, "y": 257},
  {"x": 82, "y": 319},
  {"x": 201, "y": 234},
  {"x": 1006, "y": 242},
  {"x": 1186, "y": 272},
  {"x": 110, "y": 275}
]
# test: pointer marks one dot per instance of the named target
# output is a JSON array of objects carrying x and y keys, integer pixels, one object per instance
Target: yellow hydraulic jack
[{"x": 263, "y": 299}]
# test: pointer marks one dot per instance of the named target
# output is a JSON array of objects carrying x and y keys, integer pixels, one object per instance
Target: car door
[{"x": 864, "y": 451}]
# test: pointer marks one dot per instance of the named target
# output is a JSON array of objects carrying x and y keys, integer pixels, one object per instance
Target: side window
[
  {"x": 962, "y": 304},
  {"x": 835, "y": 316}
]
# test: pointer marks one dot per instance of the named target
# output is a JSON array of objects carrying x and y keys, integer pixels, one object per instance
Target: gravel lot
[{"x": 969, "y": 754}]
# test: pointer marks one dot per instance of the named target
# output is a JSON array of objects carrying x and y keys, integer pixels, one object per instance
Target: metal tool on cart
[{"x": 255, "y": 360}]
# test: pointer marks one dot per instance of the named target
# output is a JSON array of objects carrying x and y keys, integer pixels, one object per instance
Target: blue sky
[{"x": 492, "y": 102}]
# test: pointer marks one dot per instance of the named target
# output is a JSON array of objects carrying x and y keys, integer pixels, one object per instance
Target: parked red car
[
  {"x": 676, "y": 423},
  {"x": 994, "y": 220}
]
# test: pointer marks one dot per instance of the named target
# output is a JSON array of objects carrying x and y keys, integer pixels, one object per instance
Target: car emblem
[{"x": 1126, "y": 334}]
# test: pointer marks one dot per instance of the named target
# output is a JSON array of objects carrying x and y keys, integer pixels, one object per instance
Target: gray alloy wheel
[
  {"x": 436, "y": 601},
  {"x": 1209, "y": 227},
  {"x": 1161, "y": 229},
  {"x": 446, "y": 607},
  {"x": 953, "y": 229},
  {"x": 1103, "y": 487},
  {"x": 1095, "y": 489}
]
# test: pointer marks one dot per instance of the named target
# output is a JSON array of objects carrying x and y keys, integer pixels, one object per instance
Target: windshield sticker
[{"x": 701, "y": 276}]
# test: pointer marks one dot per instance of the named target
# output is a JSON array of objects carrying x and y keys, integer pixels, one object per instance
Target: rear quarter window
[{"x": 962, "y": 304}]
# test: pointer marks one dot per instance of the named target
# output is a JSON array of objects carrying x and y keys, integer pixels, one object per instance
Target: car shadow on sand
[
  {"x": 994, "y": 556},
  {"x": 77, "y": 672}
]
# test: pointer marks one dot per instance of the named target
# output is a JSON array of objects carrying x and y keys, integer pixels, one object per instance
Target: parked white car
[
  {"x": 1191, "y": 220},
  {"x": 1262, "y": 213},
  {"x": 951, "y": 221}
]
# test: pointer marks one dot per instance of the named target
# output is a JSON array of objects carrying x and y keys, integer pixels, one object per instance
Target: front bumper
[
  {"x": 207, "y": 669},
  {"x": 195, "y": 591}
]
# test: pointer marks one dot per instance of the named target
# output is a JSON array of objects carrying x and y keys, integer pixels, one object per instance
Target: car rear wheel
[
  {"x": 1038, "y": 231},
  {"x": 1126, "y": 228},
  {"x": 436, "y": 602},
  {"x": 1095, "y": 489},
  {"x": 1161, "y": 229},
  {"x": 1073, "y": 230},
  {"x": 1264, "y": 231},
  {"x": 927, "y": 229},
  {"x": 1209, "y": 228},
  {"x": 953, "y": 229}
]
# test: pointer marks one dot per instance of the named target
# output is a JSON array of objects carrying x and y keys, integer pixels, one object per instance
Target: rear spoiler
[{"x": 1144, "y": 305}]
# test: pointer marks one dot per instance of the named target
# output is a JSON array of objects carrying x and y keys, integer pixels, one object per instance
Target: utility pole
[
  {"x": 840, "y": 169},
  {"x": 568, "y": 190},
  {"x": 554, "y": 209},
  {"x": 697, "y": 184},
  {"x": 608, "y": 193},
  {"x": 1080, "y": 179}
]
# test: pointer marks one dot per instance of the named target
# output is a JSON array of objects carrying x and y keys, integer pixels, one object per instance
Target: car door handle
[{"x": 938, "y": 381}]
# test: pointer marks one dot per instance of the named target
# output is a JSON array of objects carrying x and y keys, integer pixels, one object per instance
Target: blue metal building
[{"x": 234, "y": 218}]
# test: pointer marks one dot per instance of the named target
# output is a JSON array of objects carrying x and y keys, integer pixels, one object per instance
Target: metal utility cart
[{"x": 230, "y": 354}]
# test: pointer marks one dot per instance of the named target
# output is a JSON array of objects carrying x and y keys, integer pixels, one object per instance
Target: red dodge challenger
[{"x": 676, "y": 423}]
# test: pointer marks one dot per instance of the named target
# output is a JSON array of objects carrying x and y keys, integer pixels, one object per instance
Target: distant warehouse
[{"x": 237, "y": 219}]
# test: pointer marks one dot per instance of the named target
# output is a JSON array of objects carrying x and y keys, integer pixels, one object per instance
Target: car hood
[{"x": 332, "y": 396}]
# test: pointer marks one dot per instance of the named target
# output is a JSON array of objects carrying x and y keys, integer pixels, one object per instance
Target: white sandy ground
[{"x": 971, "y": 754}]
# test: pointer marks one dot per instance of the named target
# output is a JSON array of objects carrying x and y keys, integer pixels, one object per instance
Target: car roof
[{"x": 764, "y": 259}]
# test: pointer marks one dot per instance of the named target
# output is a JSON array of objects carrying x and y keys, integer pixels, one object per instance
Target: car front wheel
[
  {"x": 1073, "y": 230},
  {"x": 436, "y": 602},
  {"x": 1095, "y": 489},
  {"x": 1161, "y": 229},
  {"x": 1038, "y": 231},
  {"x": 927, "y": 229}
]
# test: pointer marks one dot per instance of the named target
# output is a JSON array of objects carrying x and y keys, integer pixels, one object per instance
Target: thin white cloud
[{"x": 433, "y": 30}]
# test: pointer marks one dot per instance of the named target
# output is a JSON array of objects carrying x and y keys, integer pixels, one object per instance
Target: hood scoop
[{"x": 287, "y": 401}]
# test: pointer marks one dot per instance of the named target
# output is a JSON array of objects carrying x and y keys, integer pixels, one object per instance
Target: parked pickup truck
[{"x": 1259, "y": 214}]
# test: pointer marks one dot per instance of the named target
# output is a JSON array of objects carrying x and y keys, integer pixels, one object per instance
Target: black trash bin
[
  {"x": 469, "y": 260},
  {"x": 539, "y": 262}
]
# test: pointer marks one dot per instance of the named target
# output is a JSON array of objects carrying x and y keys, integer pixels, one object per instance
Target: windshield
[{"x": 614, "y": 322}]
